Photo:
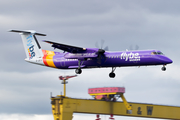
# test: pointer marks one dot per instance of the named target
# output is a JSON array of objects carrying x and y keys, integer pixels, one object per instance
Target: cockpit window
[
  {"x": 153, "y": 53},
  {"x": 157, "y": 53}
]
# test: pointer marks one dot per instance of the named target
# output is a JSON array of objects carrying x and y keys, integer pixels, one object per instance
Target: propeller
[
  {"x": 134, "y": 48},
  {"x": 101, "y": 51},
  {"x": 102, "y": 43}
]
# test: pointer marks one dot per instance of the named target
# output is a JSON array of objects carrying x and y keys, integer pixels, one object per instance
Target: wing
[{"x": 67, "y": 48}]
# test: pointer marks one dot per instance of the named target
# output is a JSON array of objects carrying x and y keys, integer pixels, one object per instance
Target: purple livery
[{"x": 79, "y": 58}]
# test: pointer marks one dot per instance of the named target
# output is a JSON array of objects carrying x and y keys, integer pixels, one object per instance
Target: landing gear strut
[
  {"x": 112, "y": 74},
  {"x": 78, "y": 70},
  {"x": 163, "y": 68}
]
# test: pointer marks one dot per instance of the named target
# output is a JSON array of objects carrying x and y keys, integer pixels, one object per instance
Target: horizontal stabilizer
[
  {"x": 28, "y": 32},
  {"x": 31, "y": 44}
]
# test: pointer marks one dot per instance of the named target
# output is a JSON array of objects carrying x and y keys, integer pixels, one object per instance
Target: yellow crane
[{"x": 63, "y": 107}]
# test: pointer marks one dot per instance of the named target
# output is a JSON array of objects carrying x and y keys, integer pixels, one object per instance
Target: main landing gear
[
  {"x": 112, "y": 74},
  {"x": 163, "y": 68},
  {"x": 78, "y": 70}
]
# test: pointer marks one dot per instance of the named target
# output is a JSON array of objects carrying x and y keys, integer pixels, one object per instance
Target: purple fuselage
[{"x": 89, "y": 59}]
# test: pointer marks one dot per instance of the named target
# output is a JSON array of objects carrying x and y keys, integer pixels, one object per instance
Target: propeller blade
[
  {"x": 102, "y": 43},
  {"x": 97, "y": 46},
  {"x": 130, "y": 48},
  {"x": 106, "y": 48},
  {"x": 137, "y": 47}
]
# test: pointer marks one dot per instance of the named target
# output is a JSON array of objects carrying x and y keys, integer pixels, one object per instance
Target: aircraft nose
[
  {"x": 167, "y": 60},
  {"x": 164, "y": 60}
]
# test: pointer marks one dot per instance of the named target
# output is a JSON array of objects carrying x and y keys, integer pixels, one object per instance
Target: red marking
[
  {"x": 66, "y": 77},
  {"x": 111, "y": 117},
  {"x": 98, "y": 117},
  {"x": 29, "y": 55},
  {"x": 44, "y": 57}
]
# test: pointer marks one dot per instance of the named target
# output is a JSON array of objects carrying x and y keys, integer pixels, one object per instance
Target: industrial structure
[{"x": 105, "y": 102}]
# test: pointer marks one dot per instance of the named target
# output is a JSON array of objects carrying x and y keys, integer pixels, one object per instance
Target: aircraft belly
[{"x": 72, "y": 64}]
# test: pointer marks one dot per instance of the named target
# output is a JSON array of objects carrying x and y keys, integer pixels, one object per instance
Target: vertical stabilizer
[{"x": 31, "y": 45}]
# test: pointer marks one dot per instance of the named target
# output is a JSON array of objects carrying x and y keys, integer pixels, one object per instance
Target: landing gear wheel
[
  {"x": 112, "y": 75},
  {"x": 78, "y": 71},
  {"x": 163, "y": 68}
]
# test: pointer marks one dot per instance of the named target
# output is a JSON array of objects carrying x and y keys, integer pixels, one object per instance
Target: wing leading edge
[{"x": 67, "y": 48}]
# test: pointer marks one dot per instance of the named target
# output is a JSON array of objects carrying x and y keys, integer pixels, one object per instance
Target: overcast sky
[{"x": 25, "y": 88}]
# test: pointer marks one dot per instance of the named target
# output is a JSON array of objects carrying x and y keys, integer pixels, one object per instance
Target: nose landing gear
[
  {"x": 163, "y": 68},
  {"x": 112, "y": 74}
]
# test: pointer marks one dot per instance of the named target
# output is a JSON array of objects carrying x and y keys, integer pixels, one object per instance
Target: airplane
[{"x": 79, "y": 58}]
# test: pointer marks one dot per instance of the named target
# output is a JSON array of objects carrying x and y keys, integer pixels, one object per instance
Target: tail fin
[{"x": 31, "y": 45}]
